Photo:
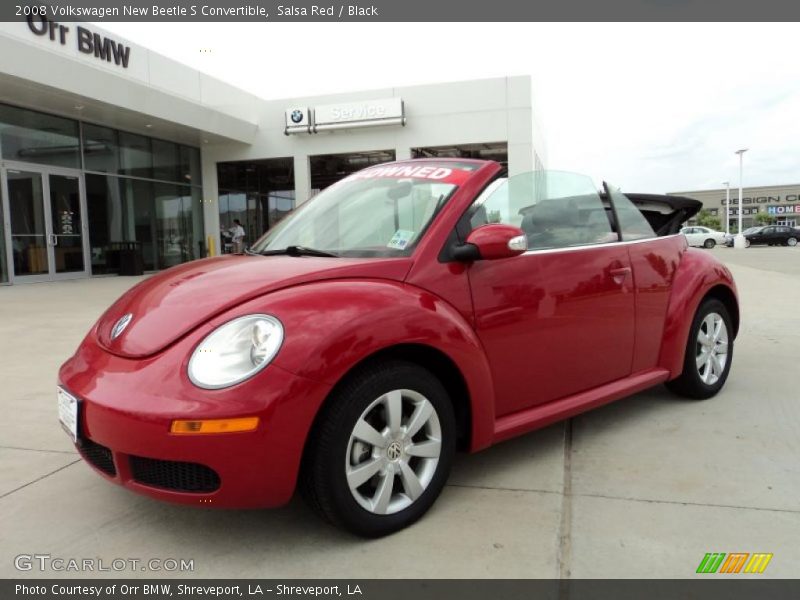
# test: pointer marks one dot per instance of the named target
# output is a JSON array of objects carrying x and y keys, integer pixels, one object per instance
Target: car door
[
  {"x": 691, "y": 236},
  {"x": 766, "y": 235},
  {"x": 558, "y": 319}
]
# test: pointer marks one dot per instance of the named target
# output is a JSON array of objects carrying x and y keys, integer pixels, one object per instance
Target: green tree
[
  {"x": 763, "y": 218},
  {"x": 704, "y": 219}
]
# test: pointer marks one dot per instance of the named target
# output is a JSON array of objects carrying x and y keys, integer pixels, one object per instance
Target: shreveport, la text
[{"x": 167, "y": 589}]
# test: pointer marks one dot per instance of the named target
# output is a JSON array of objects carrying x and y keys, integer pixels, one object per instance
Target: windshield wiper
[{"x": 295, "y": 251}]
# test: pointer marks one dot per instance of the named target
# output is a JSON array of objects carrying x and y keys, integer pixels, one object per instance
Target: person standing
[{"x": 237, "y": 236}]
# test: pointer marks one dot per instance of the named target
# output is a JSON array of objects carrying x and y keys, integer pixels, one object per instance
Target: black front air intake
[
  {"x": 99, "y": 456},
  {"x": 174, "y": 475}
]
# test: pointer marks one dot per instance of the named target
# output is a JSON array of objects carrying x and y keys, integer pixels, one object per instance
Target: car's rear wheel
[
  {"x": 382, "y": 449},
  {"x": 709, "y": 243},
  {"x": 709, "y": 353},
  {"x": 792, "y": 241}
]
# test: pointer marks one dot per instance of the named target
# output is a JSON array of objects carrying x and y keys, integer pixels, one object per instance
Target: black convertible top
[{"x": 665, "y": 213}]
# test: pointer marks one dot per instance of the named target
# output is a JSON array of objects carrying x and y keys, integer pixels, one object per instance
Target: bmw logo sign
[{"x": 297, "y": 116}]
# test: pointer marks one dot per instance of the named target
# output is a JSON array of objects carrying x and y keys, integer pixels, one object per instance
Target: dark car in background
[{"x": 772, "y": 235}]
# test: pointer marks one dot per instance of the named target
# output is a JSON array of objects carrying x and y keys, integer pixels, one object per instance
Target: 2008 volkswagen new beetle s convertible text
[{"x": 410, "y": 310}]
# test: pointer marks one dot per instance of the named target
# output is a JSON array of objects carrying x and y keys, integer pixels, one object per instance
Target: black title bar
[{"x": 405, "y": 10}]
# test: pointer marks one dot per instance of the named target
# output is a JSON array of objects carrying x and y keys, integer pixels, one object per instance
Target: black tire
[
  {"x": 791, "y": 241},
  {"x": 324, "y": 480},
  {"x": 689, "y": 383},
  {"x": 709, "y": 244}
]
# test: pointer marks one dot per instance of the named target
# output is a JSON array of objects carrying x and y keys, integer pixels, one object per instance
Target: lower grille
[
  {"x": 174, "y": 475},
  {"x": 99, "y": 456}
]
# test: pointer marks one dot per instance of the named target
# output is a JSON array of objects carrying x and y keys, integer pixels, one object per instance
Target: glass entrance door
[
  {"x": 66, "y": 218},
  {"x": 45, "y": 224}
]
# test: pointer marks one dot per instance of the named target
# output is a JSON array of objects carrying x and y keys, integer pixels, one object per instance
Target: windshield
[{"x": 382, "y": 211}]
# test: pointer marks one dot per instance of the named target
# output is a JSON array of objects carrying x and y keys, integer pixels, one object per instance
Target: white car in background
[{"x": 703, "y": 236}]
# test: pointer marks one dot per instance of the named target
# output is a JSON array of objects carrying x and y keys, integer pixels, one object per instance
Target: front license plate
[{"x": 68, "y": 413}]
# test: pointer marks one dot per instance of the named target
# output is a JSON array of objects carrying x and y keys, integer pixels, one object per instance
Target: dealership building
[
  {"x": 109, "y": 148},
  {"x": 782, "y": 202}
]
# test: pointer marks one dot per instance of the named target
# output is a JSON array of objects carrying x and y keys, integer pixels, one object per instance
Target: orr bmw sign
[
  {"x": 350, "y": 115},
  {"x": 87, "y": 42}
]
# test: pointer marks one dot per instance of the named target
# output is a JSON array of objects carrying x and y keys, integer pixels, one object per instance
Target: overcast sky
[{"x": 648, "y": 107}]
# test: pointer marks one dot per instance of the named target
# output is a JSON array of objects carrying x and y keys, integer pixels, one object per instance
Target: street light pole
[
  {"x": 738, "y": 241},
  {"x": 727, "y": 185}
]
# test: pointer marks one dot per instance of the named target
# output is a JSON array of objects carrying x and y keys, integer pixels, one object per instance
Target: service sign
[{"x": 356, "y": 112}]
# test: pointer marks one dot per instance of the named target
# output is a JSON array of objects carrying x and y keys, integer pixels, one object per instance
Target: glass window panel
[
  {"x": 135, "y": 155},
  {"x": 140, "y": 215},
  {"x": 165, "y": 160},
  {"x": 27, "y": 220},
  {"x": 631, "y": 220},
  {"x": 190, "y": 171},
  {"x": 555, "y": 209},
  {"x": 3, "y": 256},
  {"x": 100, "y": 149},
  {"x": 30, "y": 136},
  {"x": 198, "y": 226},
  {"x": 232, "y": 206},
  {"x": 267, "y": 185},
  {"x": 108, "y": 222},
  {"x": 174, "y": 228}
]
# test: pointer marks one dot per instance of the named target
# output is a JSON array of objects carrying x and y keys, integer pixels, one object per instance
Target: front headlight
[{"x": 235, "y": 351}]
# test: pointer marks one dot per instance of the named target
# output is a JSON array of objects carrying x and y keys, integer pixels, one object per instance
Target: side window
[
  {"x": 631, "y": 220},
  {"x": 555, "y": 209}
]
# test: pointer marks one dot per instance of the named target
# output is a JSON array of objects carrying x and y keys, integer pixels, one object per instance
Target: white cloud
[{"x": 649, "y": 106}]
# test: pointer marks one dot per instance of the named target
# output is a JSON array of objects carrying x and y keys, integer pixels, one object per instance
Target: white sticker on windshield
[{"x": 401, "y": 239}]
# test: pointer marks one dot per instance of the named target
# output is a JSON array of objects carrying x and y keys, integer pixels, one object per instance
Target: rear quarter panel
[{"x": 697, "y": 273}]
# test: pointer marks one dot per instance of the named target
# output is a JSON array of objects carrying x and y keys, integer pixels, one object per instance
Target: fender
[
  {"x": 696, "y": 274},
  {"x": 330, "y": 327}
]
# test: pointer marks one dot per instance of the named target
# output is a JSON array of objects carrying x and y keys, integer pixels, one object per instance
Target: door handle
[{"x": 619, "y": 275}]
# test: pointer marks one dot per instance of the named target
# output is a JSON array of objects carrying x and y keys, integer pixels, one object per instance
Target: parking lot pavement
[{"x": 641, "y": 488}]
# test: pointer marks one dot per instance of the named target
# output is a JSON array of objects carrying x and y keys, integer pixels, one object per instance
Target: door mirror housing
[{"x": 492, "y": 241}]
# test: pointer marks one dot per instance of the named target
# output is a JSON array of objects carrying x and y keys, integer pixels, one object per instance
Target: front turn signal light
[{"x": 200, "y": 426}]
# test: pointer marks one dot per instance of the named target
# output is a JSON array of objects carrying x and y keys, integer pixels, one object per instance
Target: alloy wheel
[
  {"x": 711, "y": 348},
  {"x": 393, "y": 451}
]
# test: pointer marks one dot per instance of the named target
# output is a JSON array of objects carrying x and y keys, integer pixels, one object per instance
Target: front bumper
[{"x": 127, "y": 407}]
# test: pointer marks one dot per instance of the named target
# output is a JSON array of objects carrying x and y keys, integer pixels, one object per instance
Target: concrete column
[
  {"x": 302, "y": 179},
  {"x": 210, "y": 201}
]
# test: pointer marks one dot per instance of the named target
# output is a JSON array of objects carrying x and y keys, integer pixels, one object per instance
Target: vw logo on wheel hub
[{"x": 394, "y": 451}]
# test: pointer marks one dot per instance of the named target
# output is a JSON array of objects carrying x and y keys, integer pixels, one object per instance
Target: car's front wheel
[
  {"x": 746, "y": 243},
  {"x": 709, "y": 353},
  {"x": 709, "y": 243},
  {"x": 381, "y": 451}
]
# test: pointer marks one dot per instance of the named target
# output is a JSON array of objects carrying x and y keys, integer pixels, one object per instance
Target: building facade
[
  {"x": 781, "y": 202},
  {"x": 106, "y": 146}
]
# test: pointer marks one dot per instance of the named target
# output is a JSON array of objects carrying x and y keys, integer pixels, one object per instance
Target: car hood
[{"x": 169, "y": 305}]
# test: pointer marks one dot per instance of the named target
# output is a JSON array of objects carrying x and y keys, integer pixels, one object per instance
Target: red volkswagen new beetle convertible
[{"x": 410, "y": 310}]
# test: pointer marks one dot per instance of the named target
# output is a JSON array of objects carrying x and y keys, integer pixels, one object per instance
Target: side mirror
[{"x": 492, "y": 241}]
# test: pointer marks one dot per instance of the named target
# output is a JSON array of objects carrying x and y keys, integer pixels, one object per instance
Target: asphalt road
[{"x": 641, "y": 488}]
